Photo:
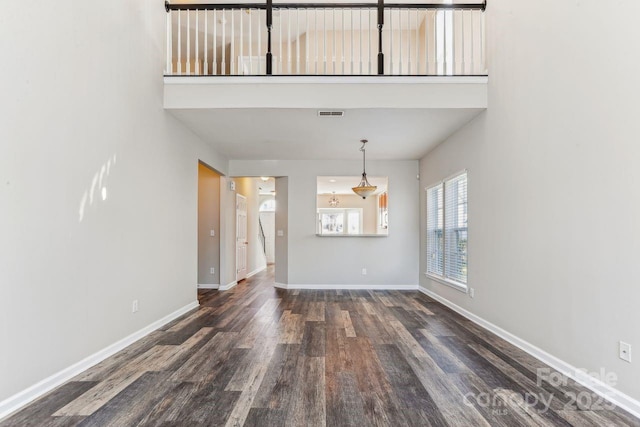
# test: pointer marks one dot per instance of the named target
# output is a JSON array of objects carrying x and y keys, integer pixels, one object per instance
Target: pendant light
[
  {"x": 364, "y": 189},
  {"x": 333, "y": 201}
]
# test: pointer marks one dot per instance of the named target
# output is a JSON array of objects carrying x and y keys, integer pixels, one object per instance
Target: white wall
[
  {"x": 554, "y": 235},
  {"x": 82, "y": 101},
  {"x": 391, "y": 260}
]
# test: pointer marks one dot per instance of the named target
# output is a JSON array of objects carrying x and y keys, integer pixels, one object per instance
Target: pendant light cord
[
  {"x": 364, "y": 189},
  {"x": 364, "y": 162}
]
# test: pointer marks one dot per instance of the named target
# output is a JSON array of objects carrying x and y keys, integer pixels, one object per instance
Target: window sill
[
  {"x": 352, "y": 235},
  {"x": 455, "y": 285}
]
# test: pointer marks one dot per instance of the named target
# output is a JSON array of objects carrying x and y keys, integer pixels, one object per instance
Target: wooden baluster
[
  {"x": 452, "y": 43},
  {"x": 333, "y": 32},
  {"x": 369, "y": 38},
  {"x": 360, "y": 32},
  {"x": 298, "y": 41},
  {"x": 352, "y": 42},
  {"x": 179, "y": 43},
  {"x": 427, "y": 29},
  {"x": 306, "y": 65},
  {"x": 280, "y": 41},
  {"x": 473, "y": 42},
  {"x": 188, "y": 42},
  {"x": 206, "y": 50},
  {"x": 344, "y": 30},
  {"x": 483, "y": 65},
  {"x": 223, "y": 65},
  {"x": 288, "y": 41},
  {"x": 324, "y": 43},
  {"x": 232, "y": 55},
  {"x": 462, "y": 44},
  {"x": 391, "y": 70},
  {"x": 408, "y": 41},
  {"x": 196, "y": 66},
  {"x": 169, "y": 66},
  {"x": 419, "y": 51},
  {"x": 214, "y": 45}
]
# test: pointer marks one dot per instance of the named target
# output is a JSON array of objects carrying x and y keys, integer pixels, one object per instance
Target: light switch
[
  {"x": 213, "y": 233},
  {"x": 280, "y": 233}
]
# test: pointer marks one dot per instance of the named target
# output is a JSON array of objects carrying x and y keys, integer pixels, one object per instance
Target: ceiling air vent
[{"x": 330, "y": 113}]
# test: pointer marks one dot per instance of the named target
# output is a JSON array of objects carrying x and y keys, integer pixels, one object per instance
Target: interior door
[{"x": 241, "y": 237}]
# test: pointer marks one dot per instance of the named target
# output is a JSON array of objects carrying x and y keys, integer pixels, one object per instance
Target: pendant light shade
[{"x": 364, "y": 189}]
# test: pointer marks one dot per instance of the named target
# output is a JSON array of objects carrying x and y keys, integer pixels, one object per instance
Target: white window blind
[
  {"x": 434, "y": 230},
  {"x": 455, "y": 220},
  {"x": 447, "y": 229}
]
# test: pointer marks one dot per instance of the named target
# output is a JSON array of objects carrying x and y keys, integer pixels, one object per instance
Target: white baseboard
[
  {"x": 256, "y": 271},
  {"x": 17, "y": 401},
  {"x": 228, "y": 286},
  {"x": 363, "y": 287},
  {"x": 208, "y": 286},
  {"x": 610, "y": 393}
]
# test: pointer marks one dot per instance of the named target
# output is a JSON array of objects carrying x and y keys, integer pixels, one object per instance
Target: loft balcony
[
  {"x": 325, "y": 39},
  {"x": 318, "y": 56}
]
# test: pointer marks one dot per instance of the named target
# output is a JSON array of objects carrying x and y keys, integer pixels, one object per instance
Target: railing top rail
[{"x": 221, "y": 6}]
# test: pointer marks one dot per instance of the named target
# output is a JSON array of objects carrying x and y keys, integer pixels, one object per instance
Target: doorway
[
  {"x": 267, "y": 217},
  {"x": 208, "y": 227},
  {"x": 241, "y": 237},
  {"x": 251, "y": 235}
]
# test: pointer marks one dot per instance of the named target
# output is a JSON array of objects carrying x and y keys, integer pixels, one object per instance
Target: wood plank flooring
[{"x": 260, "y": 356}]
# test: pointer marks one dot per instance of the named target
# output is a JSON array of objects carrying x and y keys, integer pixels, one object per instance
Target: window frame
[
  {"x": 345, "y": 212},
  {"x": 265, "y": 202},
  {"x": 443, "y": 279}
]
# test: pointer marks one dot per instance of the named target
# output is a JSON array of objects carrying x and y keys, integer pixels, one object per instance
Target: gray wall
[
  {"x": 81, "y": 110},
  {"x": 553, "y": 182},
  {"x": 282, "y": 223},
  {"x": 390, "y": 261},
  {"x": 208, "y": 219},
  {"x": 227, "y": 232}
]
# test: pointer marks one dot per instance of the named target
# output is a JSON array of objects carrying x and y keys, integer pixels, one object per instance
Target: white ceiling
[
  {"x": 300, "y": 134},
  {"x": 266, "y": 187}
]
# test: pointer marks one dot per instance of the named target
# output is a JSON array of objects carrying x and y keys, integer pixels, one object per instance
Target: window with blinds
[
  {"x": 434, "y": 230},
  {"x": 447, "y": 229}
]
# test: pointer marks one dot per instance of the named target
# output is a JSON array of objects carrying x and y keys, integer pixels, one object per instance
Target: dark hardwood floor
[{"x": 259, "y": 356}]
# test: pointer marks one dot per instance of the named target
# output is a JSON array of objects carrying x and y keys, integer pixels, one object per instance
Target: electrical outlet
[
  {"x": 364, "y": 271},
  {"x": 472, "y": 292},
  {"x": 212, "y": 270},
  {"x": 134, "y": 306},
  {"x": 625, "y": 351},
  {"x": 213, "y": 233}
]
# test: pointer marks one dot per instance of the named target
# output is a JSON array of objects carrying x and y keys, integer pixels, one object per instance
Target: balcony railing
[{"x": 355, "y": 39}]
